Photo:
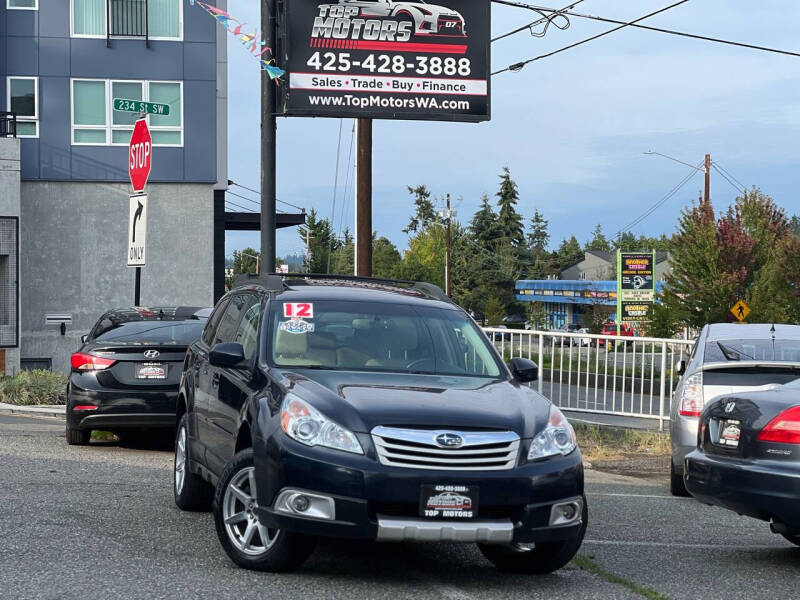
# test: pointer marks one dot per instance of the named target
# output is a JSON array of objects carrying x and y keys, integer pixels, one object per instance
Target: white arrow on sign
[{"x": 137, "y": 231}]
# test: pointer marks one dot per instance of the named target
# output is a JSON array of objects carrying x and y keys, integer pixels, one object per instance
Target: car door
[
  {"x": 235, "y": 384},
  {"x": 217, "y": 434},
  {"x": 199, "y": 371}
]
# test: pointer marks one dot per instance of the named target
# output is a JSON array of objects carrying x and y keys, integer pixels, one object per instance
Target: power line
[
  {"x": 658, "y": 204},
  {"x": 739, "y": 189},
  {"x": 729, "y": 174},
  {"x": 333, "y": 201},
  {"x": 678, "y": 33},
  {"x": 231, "y": 182},
  {"x": 518, "y": 66},
  {"x": 545, "y": 19},
  {"x": 242, "y": 197},
  {"x": 348, "y": 171},
  {"x": 250, "y": 210}
]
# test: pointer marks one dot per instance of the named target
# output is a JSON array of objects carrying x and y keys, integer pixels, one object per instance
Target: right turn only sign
[{"x": 137, "y": 231}]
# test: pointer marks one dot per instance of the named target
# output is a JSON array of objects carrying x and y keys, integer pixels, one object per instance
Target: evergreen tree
[
  {"x": 508, "y": 219},
  {"x": 568, "y": 253},
  {"x": 424, "y": 210},
  {"x": 538, "y": 236},
  {"x": 484, "y": 226},
  {"x": 385, "y": 258},
  {"x": 598, "y": 241},
  {"x": 322, "y": 242}
]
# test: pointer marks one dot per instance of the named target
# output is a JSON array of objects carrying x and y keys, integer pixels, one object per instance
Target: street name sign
[
  {"x": 740, "y": 310},
  {"x": 140, "y": 155},
  {"x": 137, "y": 231},
  {"x": 139, "y": 106}
]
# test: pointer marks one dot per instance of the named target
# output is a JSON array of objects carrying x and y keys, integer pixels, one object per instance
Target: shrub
[{"x": 34, "y": 387}]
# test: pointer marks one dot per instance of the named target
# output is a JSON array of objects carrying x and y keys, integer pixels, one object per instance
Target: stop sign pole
[{"x": 140, "y": 159}]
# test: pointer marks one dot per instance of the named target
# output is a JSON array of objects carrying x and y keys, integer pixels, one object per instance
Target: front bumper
[
  {"x": 117, "y": 408},
  {"x": 766, "y": 490},
  {"x": 381, "y": 503}
]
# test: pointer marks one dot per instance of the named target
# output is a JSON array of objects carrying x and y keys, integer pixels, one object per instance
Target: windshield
[
  {"x": 760, "y": 350},
  {"x": 379, "y": 337},
  {"x": 155, "y": 332}
]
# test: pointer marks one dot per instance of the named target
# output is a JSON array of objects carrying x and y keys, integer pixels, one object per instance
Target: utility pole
[
  {"x": 447, "y": 252},
  {"x": 268, "y": 144},
  {"x": 708, "y": 178},
  {"x": 308, "y": 247},
  {"x": 363, "y": 259}
]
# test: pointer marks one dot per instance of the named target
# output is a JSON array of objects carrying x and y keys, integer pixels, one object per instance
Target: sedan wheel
[
  {"x": 192, "y": 492},
  {"x": 239, "y": 506}
]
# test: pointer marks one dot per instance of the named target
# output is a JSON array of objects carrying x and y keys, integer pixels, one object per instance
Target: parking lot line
[
  {"x": 660, "y": 496},
  {"x": 676, "y": 545}
]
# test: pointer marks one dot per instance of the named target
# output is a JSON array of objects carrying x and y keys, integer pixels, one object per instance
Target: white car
[{"x": 429, "y": 19}]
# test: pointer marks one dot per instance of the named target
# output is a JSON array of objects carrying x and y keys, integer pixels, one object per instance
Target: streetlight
[{"x": 706, "y": 169}]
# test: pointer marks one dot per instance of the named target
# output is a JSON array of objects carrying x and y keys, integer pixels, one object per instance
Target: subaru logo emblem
[
  {"x": 448, "y": 440},
  {"x": 730, "y": 406},
  {"x": 151, "y": 353}
]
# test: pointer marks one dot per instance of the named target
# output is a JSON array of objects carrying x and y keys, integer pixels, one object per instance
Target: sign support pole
[
  {"x": 268, "y": 145},
  {"x": 363, "y": 262},
  {"x": 137, "y": 289}
]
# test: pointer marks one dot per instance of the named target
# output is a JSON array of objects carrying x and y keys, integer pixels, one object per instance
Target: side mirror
[
  {"x": 84, "y": 338},
  {"x": 680, "y": 367},
  {"x": 524, "y": 370},
  {"x": 226, "y": 354}
]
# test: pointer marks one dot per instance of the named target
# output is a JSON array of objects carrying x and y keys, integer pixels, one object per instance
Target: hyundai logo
[
  {"x": 449, "y": 440},
  {"x": 151, "y": 353}
]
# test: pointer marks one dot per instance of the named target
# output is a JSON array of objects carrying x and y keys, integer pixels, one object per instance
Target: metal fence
[{"x": 603, "y": 374}]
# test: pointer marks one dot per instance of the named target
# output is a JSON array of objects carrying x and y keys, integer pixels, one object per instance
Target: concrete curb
[{"x": 34, "y": 411}]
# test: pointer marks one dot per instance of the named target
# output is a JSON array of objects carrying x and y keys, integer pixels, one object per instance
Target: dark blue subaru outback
[{"x": 371, "y": 409}]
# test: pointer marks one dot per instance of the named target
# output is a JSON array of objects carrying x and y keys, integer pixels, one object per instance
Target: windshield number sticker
[
  {"x": 296, "y": 326},
  {"x": 298, "y": 310}
]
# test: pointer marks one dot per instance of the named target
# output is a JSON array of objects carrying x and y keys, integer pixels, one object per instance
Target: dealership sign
[
  {"x": 387, "y": 59},
  {"x": 636, "y": 285}
]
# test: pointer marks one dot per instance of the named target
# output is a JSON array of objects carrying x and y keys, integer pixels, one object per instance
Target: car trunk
[
  {"x": 731, "y": 425},
  {"x": 133, "y": 369},
  {"x": 732, "y": 378}
]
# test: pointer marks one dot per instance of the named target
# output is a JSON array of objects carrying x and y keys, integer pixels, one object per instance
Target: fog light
[
  {"x": 300, "y": 503},
  {"x": 565, "y": 513}
]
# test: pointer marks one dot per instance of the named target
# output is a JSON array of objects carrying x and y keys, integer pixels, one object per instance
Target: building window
[
  {"x": 23, "y": 100},
  {"x": 156, "y": 19},
  {"x": 95, "y": 122},
  {"x": 22, "y": 4}
]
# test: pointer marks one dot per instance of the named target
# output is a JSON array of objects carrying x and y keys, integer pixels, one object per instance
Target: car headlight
[
  {"x": 557, "y": 438},
  {"x": 305, "y": 424}
]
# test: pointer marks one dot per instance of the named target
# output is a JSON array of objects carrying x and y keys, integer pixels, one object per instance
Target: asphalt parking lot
[{"x": 100, "y": 520}]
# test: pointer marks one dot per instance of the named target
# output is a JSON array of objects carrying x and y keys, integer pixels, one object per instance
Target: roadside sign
[
  {"x": 137, "y": 230},
  {"x": 740, "y": 310},
  {"x": 140, "y": 155},
  {"x": 387, "y": 60},
  {"x": 636, "y": 285},
  {"x": 138, "y": 106}
]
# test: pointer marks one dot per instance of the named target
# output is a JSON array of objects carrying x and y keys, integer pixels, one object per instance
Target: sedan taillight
[
  {"x": 89, "y": 362},
  {"x": 692, "y": 396},
  {"x": 783, "y": 429}
]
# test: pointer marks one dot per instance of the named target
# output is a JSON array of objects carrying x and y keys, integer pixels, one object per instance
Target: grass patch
[
  {"x": 598, "y": 442},
  {"x": 29, "y": 388},
  {"x": 590, "y": 566},
  {"x": 103, "y": 436}
]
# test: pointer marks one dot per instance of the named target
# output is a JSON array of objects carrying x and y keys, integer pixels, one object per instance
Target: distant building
[{"x": 591, "y": 281}]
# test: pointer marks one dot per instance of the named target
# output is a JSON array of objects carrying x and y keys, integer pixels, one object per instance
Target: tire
[
  {"x": 541, "y": 559},
  {"x": 78, "y": 437},
  {"x": 676, "y": 485},
  {"x": 191, "y": 491},
  {"x": 276, "y": 550}
]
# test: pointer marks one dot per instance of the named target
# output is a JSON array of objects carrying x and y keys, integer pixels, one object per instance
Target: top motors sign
[{"x": 387, "y": 59}]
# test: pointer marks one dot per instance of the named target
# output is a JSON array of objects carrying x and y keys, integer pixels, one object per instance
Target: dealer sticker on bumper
[{"x": 449, "y": 502}]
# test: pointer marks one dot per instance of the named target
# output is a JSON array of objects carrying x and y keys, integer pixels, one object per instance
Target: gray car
[{"x": 727, "y": 358}]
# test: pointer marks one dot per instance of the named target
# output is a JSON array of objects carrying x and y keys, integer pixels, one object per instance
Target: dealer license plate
[
  {"x": 449, "y": 501},
  {"x": 151, "y": 371},
  {"x": 729, "y": 432}
]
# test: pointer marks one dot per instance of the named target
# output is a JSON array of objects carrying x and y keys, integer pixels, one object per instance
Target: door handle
[{"x": 215, "y": 380}]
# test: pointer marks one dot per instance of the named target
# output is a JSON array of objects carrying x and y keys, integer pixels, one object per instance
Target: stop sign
[{"x": 140, "y": 155}]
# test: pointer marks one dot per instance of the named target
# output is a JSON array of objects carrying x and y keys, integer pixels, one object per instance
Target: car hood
[{"x": 361, "y": 401}]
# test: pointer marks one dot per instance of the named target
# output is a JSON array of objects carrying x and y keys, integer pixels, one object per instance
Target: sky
[{"x": 573, "y": 129}]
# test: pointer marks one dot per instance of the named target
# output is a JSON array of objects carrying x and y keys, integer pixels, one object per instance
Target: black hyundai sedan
[
  {"x": 748, "y": 457},
  {"x": 375, "y": 410},
  {"x": 125, "y": 377}
]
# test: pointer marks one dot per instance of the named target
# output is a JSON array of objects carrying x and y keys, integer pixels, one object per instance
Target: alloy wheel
[
  {"x": 242, "y": 525},
  {"x": 180, "y": 460}
]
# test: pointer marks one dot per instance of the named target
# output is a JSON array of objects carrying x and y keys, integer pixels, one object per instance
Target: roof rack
[{"x": 428, "y": 290}]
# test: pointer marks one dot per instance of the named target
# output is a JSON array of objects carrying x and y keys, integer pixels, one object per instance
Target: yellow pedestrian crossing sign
[{"x": 740, "y": 310}]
